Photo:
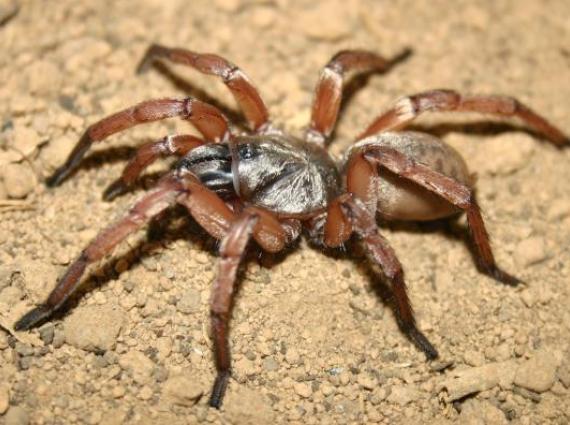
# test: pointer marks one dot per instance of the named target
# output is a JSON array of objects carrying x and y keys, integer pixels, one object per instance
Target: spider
[{"x": 267, "y": 185}]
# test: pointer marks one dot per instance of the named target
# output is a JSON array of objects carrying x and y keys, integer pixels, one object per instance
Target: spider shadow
[
  {"x": 172, "y": 225},
  {"x": 108, "y": 155},
  {"x": 483, "y": 128}
]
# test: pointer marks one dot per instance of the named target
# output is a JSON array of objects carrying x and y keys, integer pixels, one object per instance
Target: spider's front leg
[
  {"x": 233, "y": 77},
  {"x": 328, "y": 92},
  {"x": 271, "y": 236},
  {"x": 145, "y": 155},
  {"x": 409, "y": 108},
  {"x": 150, "y": 205},
  {"x": 207, "y": 119}
]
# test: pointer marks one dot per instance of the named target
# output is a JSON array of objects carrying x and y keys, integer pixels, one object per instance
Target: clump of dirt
[{"x": 313, "y": 339}]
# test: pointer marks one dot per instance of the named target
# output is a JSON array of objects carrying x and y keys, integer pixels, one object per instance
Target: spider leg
[
  {"x": 151, "y": 204},
  {"x": 233, "y": 77},
  {"x": 328, "y": 92},
  {"x": 146, "y": 155},
  {"x": 232, "y": 250},
  {"x": 235, "y": 231},
  {"x": 409, "y": 108},
  {"x": 271, "y": 236},
  {"x": 206, "y": 118},
  {"x": 449, "y": 189},
  {"x": 349, "y": 214}
]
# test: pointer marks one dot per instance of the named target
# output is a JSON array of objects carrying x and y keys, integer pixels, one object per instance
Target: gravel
[
  {"x": 94, "y": 328},
  {"x": 313, "y": 336},
  {"x": 19, "y": 180},
  {"x": 537, "y": 374}
]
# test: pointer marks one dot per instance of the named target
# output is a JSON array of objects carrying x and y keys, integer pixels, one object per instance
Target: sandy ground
[{"x": 314, "y": 339}]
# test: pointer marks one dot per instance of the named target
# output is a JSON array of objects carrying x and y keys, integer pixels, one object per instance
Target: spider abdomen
[{"x": 396, "y": 198}]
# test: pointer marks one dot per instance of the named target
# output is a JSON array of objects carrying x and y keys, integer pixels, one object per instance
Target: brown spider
[{"x": 267, "y": 185}]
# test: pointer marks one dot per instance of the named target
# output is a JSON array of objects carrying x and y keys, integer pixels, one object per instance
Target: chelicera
[{"x": 270, "y": 186}]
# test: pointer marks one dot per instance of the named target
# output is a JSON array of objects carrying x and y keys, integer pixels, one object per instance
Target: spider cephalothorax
[{"x": 267, "y": 185}]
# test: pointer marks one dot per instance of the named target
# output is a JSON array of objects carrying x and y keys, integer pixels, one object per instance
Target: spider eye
[{"x": 247, "y": 151}]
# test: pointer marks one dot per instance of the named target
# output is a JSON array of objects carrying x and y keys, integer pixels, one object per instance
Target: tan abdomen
[{"x": 399, "y": 199}]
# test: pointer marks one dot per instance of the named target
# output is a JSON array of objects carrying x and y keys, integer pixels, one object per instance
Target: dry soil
[{"x": 314, "y": 337}]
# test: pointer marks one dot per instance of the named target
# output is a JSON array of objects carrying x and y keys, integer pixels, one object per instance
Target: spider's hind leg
[
  {"x": 447, "y": 188},
  {"x": 409, "y": 108}
]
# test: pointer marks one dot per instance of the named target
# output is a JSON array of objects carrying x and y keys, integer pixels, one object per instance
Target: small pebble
[
  {"x": 292, "y": 357},
  {"x": 327, "y": 389},
  {"x": 474, "y": 358},
  {"x": 138, "y": 366},
  {"x": 303, "y": 389},
  {"x": 530, "y": 251},
  {"x": 184, "y": 390},
  {"x": 145, "y": 393},
  {"x": 462, "y": 382},
  {"x": 476, "y": 412},
  {"x": 404, "y": 394},
  {"x": 24, "y": 349},
  {"x": 25, "y": 140},
  {"x": 537, "y": 374},
  {"x": 58, "y": 338},
  {"x": 190, "y": 302},
  {"x": 270, "y": 364},
  {"x": 19, "y": 180},
  {"x": 564, "y": 373},
  {"x": 559, "y": 209},
  {"x": 4, "y": 399},
  {"x": 94, "y": 328},
  {"x": 118, "y": 391},
  {"x": 47, "y": 333},
  {"x": 17, "y": 415},
  {"x": 327, "y": 21},
  {"x": 230, "y": 6},
  {"x": 367, "y": 381},
  {"x": 263, "y": 17}
]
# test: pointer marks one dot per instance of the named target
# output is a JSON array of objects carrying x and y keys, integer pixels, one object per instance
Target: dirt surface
[{"x": 313, "y": 339}]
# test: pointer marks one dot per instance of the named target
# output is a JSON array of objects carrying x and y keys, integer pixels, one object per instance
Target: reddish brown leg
[
  {"x": 151, "y": 204},
  {"x": 408, "y": 108},
  {"x": 266, "y": 230},
  {"x": 450, "y": 190},
  {"x": 234, "y": 78},
  {"x": 328, "y": 93},
  {"x": 231, "y": 252},
  {"x": 353, "y": 214},
  {"x": 146, "y": 155},
  {"x": 206, "y": 118}
]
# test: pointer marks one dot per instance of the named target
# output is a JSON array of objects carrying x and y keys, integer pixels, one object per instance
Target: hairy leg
[
  {"x": 328, "y": 93},
  {"x": 349, "y": 212},
  {"x": 206, "y": 118},
  {"x": 146, "y": 155},
  {"x": 150, "y": 205},
  {"x": 452, "y": 191},
  {"x": 234, "y": 78},
  {"x": 232, "y": 250},
  {"x": 409, "y": 108}
]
